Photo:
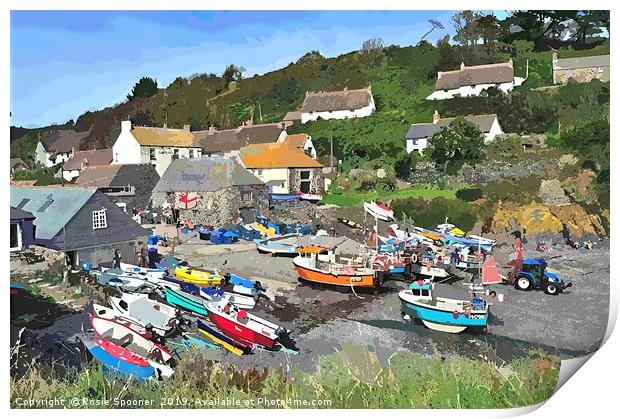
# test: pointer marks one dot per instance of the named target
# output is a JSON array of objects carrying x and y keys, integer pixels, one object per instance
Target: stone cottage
[
  {"x": 212, "y": 191},
  {"x": 580, "y": 69}
]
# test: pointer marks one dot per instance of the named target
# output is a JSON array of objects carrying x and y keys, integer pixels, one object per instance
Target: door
[{"x": 306, "y": 180}]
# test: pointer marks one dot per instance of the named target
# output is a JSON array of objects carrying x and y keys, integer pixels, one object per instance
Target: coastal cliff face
[{"x": 535, "y": 218}]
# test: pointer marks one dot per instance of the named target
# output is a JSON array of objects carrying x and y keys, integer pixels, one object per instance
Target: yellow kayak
[
  {"x": 268, "y": 231},
  {"x": 197, "y": 277}
]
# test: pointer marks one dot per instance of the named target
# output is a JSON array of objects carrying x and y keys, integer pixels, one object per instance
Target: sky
[{"x": 64, "y": 63}]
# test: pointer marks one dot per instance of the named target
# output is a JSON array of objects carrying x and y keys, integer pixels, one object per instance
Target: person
[
  {"x": 144, "y": 256},
  {"x": 117, "y": 259}
]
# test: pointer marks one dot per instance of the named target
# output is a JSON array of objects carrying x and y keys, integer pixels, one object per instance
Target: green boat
[{"x": 186, "y": 301}]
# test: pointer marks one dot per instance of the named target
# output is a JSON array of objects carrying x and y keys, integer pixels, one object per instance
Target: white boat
[
  {"x": 310, "y": 197},
  {"x": 482, "y": 240},
  {"x": 147, "y": 272},
  {"x": 126, "y": 282},
  {"x": 380, "y": 211},
  {"x": 221, "y": 297},
  {"x": 145, "y": 311},
  {"x": 430, "y": 272}
]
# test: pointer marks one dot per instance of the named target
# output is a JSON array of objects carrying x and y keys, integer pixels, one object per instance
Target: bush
[
  {"x": 469, "y": 195},
  {"x": 430, "y": 213},
  {"x": 523, "y": 190}
]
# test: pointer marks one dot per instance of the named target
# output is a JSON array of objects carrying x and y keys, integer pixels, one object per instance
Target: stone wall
[
  {"x": 581, "y": 75},
  {"x": 220, "y": 207},
  {"x": 317, "y": 185}
]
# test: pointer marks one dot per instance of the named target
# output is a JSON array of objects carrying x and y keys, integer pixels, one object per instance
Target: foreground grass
[
  {"x": 348, "y": 199},
  {"x": 352, "y": 378}
]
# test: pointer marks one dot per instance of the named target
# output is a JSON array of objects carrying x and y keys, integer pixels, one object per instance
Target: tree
[
  {"x": 590, "y": 23},
  {"x": 370, "y": 44},
  {"x": 465, "y": 24},
  {"x": 458, "y": 143},
  {"x": 435, "y": 24},
  {"x": 144, "y": 119},
  {"x": 533, "y": 25},
  {"x": 488, "y": 27},
  {"x": 240, "y": 112},
  {"x": 233, "y": 73},
  {"x": 145, "y": 87}
]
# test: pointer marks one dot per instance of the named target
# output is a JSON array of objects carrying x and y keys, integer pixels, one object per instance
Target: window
[
  {"x": 415, "y": 292},
  {"x": 259, "y": 172},
  {"x": 100, "y": 219},
  {"x": 175, "y": 154},
  {"x": 305, "y": 181},
  {"x": 246, "y": 196},
  {"x": 123, "y": 305},
  {"x": 425, "y": 293},
  {"x": 191, "y": 153},
  {"x": 15, "y": 236},
  {"x": 152, "y": 154}
]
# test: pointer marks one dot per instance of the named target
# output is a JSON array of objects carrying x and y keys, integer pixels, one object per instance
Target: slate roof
[
  {"x": 581, "y": 62},
  {"x": 336, "y": 101},
  {"x": 277, "y": 155},
  {"x": 478, "y": 74},
  {"x": 164, "y": 137},
  {"x": 424, "y": 130},
  {"x": 63, "y": 141},
  {"x": 20, "y": 214},
  {"x": 114, "y": 175},
  {"x": 208, "y": 174},
  {"x": 233, "y": 139},
  {"x": 52, "y": 207},
  {"x": 90, "y": 157}
]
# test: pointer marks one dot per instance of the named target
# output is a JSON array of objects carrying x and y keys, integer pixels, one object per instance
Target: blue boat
[
  {"x": 186, "y": 301},
  {"x": 118, "y": 366},
  {"x": 443, "y": 314},
  {"x": 246, "y": 233},
  {"x": 283, "y": 245}
]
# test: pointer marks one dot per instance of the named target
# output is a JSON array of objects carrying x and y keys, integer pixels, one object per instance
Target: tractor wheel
[
  {"x": 552, "y": 289},
  {"x": 523, "y": 283}
]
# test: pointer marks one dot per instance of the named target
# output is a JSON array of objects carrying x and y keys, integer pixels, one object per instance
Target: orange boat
[{"x": 313, "y": 270}]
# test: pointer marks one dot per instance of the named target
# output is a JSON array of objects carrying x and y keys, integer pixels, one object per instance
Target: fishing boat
[
  {"x": 115, "y": 315},
  {"x": 379, "y": 211},
  {"x": 390, "y": 264},
  {"x": 429, "y": 272},
  {"x": 278, "y": 246},
  {"x": 241, "y": 301},
  {"x": 310, "y": 268},
  {"x": 125, "y": 282},
  {"x": 186, "y": 301},
  {"x": 309, "y": 197},
  {"x": 198, "y": 277},
  {"x": 141, "y": 370},
  {"x": 246, "y": 287},
  {"x": 243, "y": 327},
  {"x": 222, "y": 339},
  {"x": 442, "y": 314},
  {"x": 142, "y": 309},
  {"x": 121, "y": 337},
  {"x": 148, "y": 272}
]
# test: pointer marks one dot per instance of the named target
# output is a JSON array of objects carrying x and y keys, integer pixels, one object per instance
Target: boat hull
[
  {"x": 118, "y": 365},
  {"x": 197, "y": 277},
  {"x": 443, "y": 320},
  {"x": 183, "y": 301},
  {"x": 239, "y": 333},
  {"x": 322, "y": 277}
]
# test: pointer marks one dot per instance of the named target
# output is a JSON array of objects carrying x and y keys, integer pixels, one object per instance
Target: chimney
[
  {"x": 436, "y": 117},
  {"x": 510, "y": 62},
  {"x": 555, "y": 56},
  {"x": 346, "y": 88},
  {"x": 439, "y": 73},
  {"x": 249, "y": 123},
  {"x": 165, "y": 125},
  {"x": 84, "y": 164},
  {"x": 462, "y": 65},
  {"x": 125, "y": 126},
  {"x": 186, "y": 127},
  {"x": 211, "y": 130}
]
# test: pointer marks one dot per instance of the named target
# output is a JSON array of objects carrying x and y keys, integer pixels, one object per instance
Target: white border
[{"x": 592, "y": 392}]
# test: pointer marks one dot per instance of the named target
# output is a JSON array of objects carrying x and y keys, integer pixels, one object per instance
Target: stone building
[
  {"x": 581, "y": 69},
  {"x": 211, "y": 191},
  {"x": 288, "y": 166}
]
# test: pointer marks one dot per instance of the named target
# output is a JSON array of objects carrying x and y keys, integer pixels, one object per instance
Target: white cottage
[
  {"x": 343, "y": 104},
  {"x": 58, "y": 147},
  {"x": 474, "y": 80},
  {"x": 154, "y": 145},
  {"x": 418, "y": 136}
]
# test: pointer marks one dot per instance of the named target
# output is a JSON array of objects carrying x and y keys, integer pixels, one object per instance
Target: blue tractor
[{"x": 532, "y": 274}]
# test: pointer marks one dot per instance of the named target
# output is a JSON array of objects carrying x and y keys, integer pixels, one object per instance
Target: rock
[{"x": 551, "y": 193}]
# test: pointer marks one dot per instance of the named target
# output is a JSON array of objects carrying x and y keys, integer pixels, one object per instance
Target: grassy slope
[
  {"x": 355, "y": 198},
  {"x": 352, "y": 378}
]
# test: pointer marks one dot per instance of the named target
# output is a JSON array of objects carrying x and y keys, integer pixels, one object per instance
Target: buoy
[
  {"x": 500, "y": 298},
  {"x": 420, "y": 282},
  {"x": 467, "y": 314},
  {"x": 455, "y": 314}
]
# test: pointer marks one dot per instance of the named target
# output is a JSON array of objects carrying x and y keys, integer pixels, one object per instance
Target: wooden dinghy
[{"x": 121, "y": 337}]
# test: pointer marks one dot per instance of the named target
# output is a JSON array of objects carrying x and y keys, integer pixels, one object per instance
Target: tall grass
[{"x": 351, "y": 378}]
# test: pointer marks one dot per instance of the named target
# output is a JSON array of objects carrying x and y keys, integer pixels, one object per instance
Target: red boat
[
  {"x": 121, "y": 353},
  {"x": 244, "y": 328}
]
